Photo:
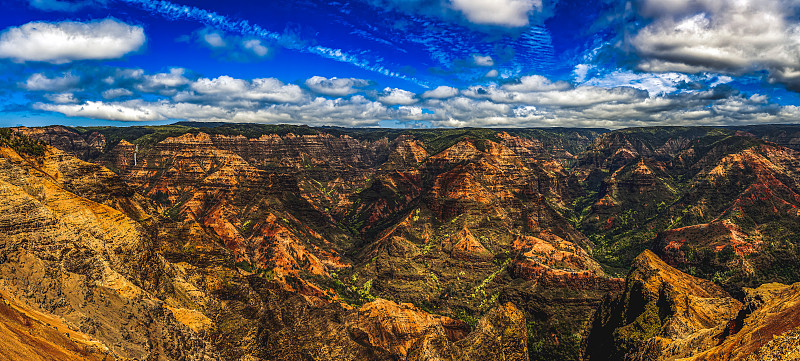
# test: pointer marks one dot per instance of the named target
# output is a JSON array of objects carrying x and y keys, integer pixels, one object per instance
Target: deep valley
[{"x": 214, "y": 241}]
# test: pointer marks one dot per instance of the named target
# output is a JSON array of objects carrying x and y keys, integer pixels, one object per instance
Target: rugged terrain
[{"x": 242, "y": 242}]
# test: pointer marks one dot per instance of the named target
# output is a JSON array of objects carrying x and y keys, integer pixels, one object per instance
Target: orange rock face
[
  {"x": 466, "y": 247},
  {"x": 666, "y": 314},
  {"x": 32, "y": 335},
  {"x": 775, "y": 311},
  {"x": 396, "y": 327},
  {"x": 283, "y": 242}
]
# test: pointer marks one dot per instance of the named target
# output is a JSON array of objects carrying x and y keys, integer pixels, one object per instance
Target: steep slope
[
  {"x": 474, "y": 225},
  {"x": 771, "y": 314},
  {"x": 147, "y": 287},
  {"x": 84, "y": 146},
  {"x": 28, "y": 334},
  {"x": 717, "y": 203},
  {"x": 270, "y": 232},
  {"x": 272, "y": 216},
  {"x": 84, "y": 261},
  {"x": 665, "y": 314},
  {"x": 351, "y": 220}
]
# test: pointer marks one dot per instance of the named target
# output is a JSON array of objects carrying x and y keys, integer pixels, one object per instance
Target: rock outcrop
[
  {"x": 84, "y": 261},
  {"x": 28, "y": 334},
  {"x": 242, "y": 242},
  {"x": 665, "y": 314}
]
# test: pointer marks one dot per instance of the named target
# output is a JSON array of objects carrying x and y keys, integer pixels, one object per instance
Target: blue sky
[{"x": 401, "y": 63}]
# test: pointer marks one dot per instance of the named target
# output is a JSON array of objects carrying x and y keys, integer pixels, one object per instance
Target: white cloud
[
  {"x": 256, "y": 47},
  {"x": 654, "y": 83},
  {"x": 440, "y": 92},
  {"x": 535, "y": 83},
  {"x": 41, "y": 82},
  {"x": 397, "y": 97},
  {"x": 721, "y": 36},
  {"x": 214, "y": 40},
  {"x": 163, "y": 83},
  {"x": 465, "y": 109},
  {"x": 116, "y": 93},
  {"x": 61, "y": 98},
  {"x": 335, "y": 86},
  {"x": 606, "y": 101},
  {"x": 586, "y": 96},
  {"x": 509, "y": 13},
  {"x": 228, "y": 90},
  {"x": 129, "y": 111},
  {"x": 354, "y": 111},
  {"x": 482, "y": 60},
  {"x": 581, "y": 71},
  {"x": 491, "y": 73},
  {"x": 229, "y": 47},
  {"x": 68, "y": 41}
]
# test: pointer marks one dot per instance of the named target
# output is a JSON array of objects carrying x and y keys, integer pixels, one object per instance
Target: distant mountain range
[{"x": 198, "y": 241}]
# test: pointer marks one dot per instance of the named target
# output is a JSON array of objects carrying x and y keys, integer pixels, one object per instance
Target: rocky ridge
[
  {"x": 100, "y": 259},
  {"x": 457, "y": 223},
  {"x": 665, "y": 314}
]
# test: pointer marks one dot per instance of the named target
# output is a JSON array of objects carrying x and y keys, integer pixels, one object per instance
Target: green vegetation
[
  {"x": 548, "y": 344},
  {"x": 364, "y": 292},
  {"x": 245, "y": 266},
  {"x": 645, "y": 326},
  {"x": 603, "y": 195},
  {"x": 467, "y": 317},
  {"x": 481, "y": 288},
  {"x": 21, "y": 144}
]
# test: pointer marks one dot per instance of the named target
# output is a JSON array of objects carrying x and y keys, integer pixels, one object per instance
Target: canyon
[{"x": 206, "y": 241}]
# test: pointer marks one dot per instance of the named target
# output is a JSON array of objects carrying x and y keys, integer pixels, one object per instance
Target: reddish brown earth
[
  {"x": 259, "y": 242},
  {"x": 665, "y": 314}
]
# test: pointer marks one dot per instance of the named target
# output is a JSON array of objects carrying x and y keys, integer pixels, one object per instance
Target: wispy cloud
[{"x": 174, "y": 11}]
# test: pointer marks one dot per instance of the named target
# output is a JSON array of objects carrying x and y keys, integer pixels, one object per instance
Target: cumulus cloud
[
  {"x": 241, "y": 92},
  {"x": 214, "y": 40},
  {"x": 531, "y": 101},
  {"x": 163, "y": 83},
  {"x": 116, "y": 93},
  {"x": 440, "y": 92},
  {"x": 491, "y": 73},
  {"x": 465, "y": 109},
  {"x": 68, "y": 41},
  {"x": 40, "y": 82},
  {"x": 62, "y": 98},
  {"x": 552, "y": 94},
  {"x": 335, "y": 86},
  {"x": 354, "y": 111},
  {"x": 509, "y": 13},
  {"x": 587, "y": 95},
  {"x": 129, "y": 111},
  {"x": 395, "y": 96},
  {"x": 535, "y": 83},
  {"x": 654, "y": 83},
  {"x": 581, "y": 71},
  {"x": 721, "y": 36},
  {"x": 116, "y": 82}
]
